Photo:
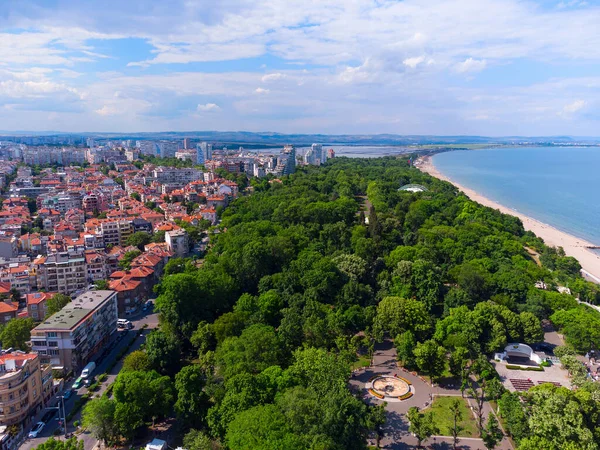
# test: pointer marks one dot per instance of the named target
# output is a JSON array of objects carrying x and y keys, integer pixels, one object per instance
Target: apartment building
[
  {"x": 63, "y": 272},
  {"x": 178, "y": 242},
  {"x": 172, "y": 175},
  {"x": 25, "y": 385},
  {"x": 70, "y": 338},
  {"x": 37, "y": 305},
  {"x": 116, "y": 232}
]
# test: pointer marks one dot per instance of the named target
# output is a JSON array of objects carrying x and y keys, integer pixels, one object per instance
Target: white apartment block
[{"x": 70, "y": 338}]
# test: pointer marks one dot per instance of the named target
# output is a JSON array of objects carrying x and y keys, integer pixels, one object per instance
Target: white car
[{"x": 36, "y": 430}]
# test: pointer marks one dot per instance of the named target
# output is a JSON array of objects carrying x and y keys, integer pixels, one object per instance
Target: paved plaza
[{"x": 396, "y": 434}]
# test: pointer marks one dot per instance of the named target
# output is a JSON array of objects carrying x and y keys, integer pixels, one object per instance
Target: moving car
[
  {"x": 124, "y": 324},
  {"x": 36, "y": 430},
  {"x": 77, "y": 384},
  {"x": 67, "y": 394},
  {"x": 89, "y": 381}
]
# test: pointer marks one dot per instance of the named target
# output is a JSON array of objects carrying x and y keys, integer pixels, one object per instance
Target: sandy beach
[{"x": 573, "y": 246}]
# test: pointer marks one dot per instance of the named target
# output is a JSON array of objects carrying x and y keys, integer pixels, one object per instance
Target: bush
[
  {"x": 94, "y": 386},
  {"x": 102, "y": 377},
  {"x": 405, "y": 396},
  {"x": 545, "y": 363},
  {"x": 76, "y": 424},
  {"x": 530, "y": 369}
]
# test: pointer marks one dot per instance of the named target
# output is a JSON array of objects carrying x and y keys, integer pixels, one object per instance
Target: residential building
[
  {"x": 172, "y": 175},
  {"x": 25, "y": 384},
  {"x": 37, "y": 304},
  {"x": 19, "y": 276},
  {"x": 129, "y": 295},
  {"x": 70, "y": 338},
  {"x": 63, "y": 272},
  {"x": 9, "y": 246},
  {"x": 178, "y": 242},
  {"x": 116, "y": 232},
  {"x": 8, "y": 310}
]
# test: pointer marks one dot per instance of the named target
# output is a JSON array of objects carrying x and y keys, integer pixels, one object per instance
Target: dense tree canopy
[{"x": 308, "y": 271}]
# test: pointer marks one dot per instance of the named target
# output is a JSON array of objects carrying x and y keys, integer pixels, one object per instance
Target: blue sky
[{"x": 485, "y": 67}]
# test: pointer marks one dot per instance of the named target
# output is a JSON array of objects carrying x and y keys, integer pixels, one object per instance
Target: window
[
  {"x": 51, "y": 334},
  {"x": 33, "y": 381},
  {"x": 53, "y": 352},
  {"x": 52, "y": 344},
  {"x": 35, "y": 394},
  {"x": 7, "y": 318}
]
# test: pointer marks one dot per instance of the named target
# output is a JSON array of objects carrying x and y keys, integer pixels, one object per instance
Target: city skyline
[{"x": 415, "y": 67}]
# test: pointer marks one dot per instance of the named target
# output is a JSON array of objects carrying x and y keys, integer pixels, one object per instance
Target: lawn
[
  {"x": 444, "y": 420},
  {"x": 363, "y": 361}
]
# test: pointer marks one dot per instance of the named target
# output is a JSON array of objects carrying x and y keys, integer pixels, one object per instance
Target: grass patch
[
  {"x": 363, "y": 361},
  {"x": 443, "y": 418}
]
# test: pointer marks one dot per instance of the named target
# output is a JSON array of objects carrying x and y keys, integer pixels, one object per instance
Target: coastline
[{"x": 573, "y": 246}]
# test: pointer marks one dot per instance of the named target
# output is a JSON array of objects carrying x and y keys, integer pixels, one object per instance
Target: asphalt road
[{"x": 120, "y": 340}]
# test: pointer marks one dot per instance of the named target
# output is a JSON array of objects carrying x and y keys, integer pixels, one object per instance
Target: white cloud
[
  {"x": 208, "y": 107},
  {"x": 260, "y": 90},
  {"x": 413, "y": 62},
  {"x": 470, "y": 65},
  {"x": 107, "y": 110},
  {"x": 272, "y": 77},
  {"x": 574, "y": 106}
]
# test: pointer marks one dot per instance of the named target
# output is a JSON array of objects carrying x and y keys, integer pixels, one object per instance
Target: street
[{"x": 119, "y": 341}]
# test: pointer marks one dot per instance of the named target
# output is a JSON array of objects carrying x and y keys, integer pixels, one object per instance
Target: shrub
[
  {"x": 405, "y": 396},
  {"x": 102, "y": 377},
  {"x": 530, "y": 369},
  {"x": 76, "y": 424},
  {"x": 545, "y": 364}
]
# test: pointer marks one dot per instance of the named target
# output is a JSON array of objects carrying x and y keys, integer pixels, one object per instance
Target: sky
[{"x": 441, "y": 67}]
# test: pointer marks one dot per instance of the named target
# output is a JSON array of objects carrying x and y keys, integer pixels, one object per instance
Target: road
[{"x": 119, "y": 341}]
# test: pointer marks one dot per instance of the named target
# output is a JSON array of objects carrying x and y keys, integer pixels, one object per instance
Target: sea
[{"x": 559, "y": 186}]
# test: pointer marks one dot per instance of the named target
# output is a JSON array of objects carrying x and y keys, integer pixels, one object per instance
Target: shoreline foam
[{"x": 573, "y": 246}]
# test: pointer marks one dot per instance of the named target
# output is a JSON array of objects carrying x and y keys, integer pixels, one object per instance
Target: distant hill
[{"x": 272, "y": 139}]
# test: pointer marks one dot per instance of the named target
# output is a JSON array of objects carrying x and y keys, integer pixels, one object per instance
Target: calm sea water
[{"x": 559, "y": 186}]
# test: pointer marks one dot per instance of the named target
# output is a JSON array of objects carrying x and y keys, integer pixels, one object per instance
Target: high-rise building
[
  {"x": 187, "y": 143},
  {"x": 204, "y": 150},
  {"x": 319, "y": 153}
]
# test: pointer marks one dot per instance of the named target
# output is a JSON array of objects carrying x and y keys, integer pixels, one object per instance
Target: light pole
[{"x": 62, "y": 399}]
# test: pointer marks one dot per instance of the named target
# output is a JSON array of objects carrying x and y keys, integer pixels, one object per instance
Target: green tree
[
  {"x": 129, "y": 418},
  {"x": 125, "y": 262},
  {"x": 163, "y": 351},
  {"x": 102, "y": 285},
  {"x": 262, "y": 428},
  {"x": 421, "y": 425},
  {"x": 56, "y": 303},
  {"x": 136, "y": 196},
  {"x": 492, "y": 434},
  {"x": 16, "y": 333},
  {"x": 146, "y": 393},
  {"x": 257, "y": 348},
  {"x": 54, "y": 444},
  {"x": 456, "y": 411},
  {"x": 430, "y": 358},
  {"x": 405, "y": 345},
  {"x": 532, "y": 328},
  {"x": 98, "y": 417},
  {"x": 396, "y": 315},
  {"x": 139, "y": 239},
  {"x": 197, "y": 440},
  {"x": 136, "y": 361},
  {"x": 192, "y": 402}
]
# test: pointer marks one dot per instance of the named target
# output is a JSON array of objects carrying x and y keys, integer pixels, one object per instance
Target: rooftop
[{"x": 74, "y": 312}]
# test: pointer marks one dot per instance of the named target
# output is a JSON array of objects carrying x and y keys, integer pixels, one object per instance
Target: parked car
[
  {"x": 67, "y": 394},
  {"x": 49, "y": 415},
  {"x": 77, "y": 384},
  {"x": 36, "y": 430}
]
